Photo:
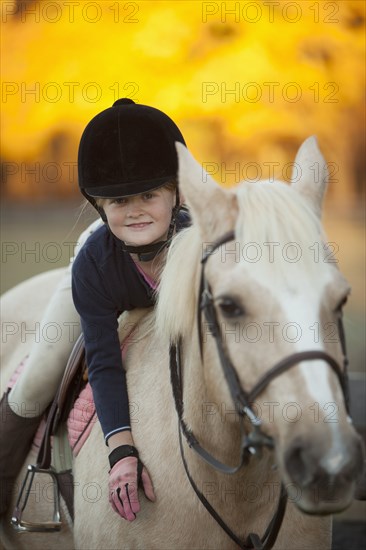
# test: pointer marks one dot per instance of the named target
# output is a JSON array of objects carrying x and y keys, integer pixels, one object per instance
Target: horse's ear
[
  {"x": 211, "y": 206},
  {"x": 310, "y": 174}
]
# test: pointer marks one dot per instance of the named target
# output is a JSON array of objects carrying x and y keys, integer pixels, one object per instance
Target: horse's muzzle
[{"x": 320, "y": 481}]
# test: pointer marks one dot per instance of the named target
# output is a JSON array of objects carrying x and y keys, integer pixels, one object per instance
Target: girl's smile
[{"x": 138, "y": 225}]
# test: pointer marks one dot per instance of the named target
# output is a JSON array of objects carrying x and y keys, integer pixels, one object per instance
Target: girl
[{"x": 127, "y": 170}]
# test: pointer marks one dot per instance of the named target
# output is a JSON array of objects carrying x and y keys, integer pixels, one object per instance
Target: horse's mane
[
  {"x": 267, "y": 212},
  {"x": 177, "y": 294}
]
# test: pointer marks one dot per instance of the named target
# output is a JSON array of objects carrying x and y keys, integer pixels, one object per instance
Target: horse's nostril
[{"x": 300, "y": 465}]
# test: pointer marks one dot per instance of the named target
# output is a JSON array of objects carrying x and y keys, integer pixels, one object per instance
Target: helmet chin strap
[{"x": 148, "y": 252}]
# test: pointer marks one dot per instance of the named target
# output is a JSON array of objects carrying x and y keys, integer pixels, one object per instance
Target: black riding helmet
[{"x": 127, "y": 150}]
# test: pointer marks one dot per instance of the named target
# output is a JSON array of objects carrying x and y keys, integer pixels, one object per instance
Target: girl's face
[{"x": 141, "y": 219}]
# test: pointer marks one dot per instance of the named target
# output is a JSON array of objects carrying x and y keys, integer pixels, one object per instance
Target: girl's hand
[{"x": 124, "y": 478}]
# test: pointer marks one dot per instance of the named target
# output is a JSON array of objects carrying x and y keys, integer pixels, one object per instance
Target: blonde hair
[{"x": 170, "y": 186}]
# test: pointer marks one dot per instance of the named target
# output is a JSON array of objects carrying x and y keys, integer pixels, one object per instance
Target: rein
[
  {"x": 251, "y": 443},
  {"x": 253, "y": 541}
]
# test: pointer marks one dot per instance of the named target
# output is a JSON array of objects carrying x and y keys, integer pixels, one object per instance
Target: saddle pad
[
  {"x": 18, "y": 371},
  {"x": 81, "y": 419}
]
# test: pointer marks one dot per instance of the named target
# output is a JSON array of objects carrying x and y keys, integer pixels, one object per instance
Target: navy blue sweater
[{"x": 106, "y": 282}]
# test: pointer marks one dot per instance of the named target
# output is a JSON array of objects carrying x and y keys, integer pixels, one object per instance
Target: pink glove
[{"x": 124, "y": 478}]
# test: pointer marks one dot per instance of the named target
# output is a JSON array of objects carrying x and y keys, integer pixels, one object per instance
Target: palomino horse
[{"x": 266, "y": 360}]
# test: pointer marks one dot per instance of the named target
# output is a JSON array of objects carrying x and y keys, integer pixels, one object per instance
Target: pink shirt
[{"x": 151, "y": 282}]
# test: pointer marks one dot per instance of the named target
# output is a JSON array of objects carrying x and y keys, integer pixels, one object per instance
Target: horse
[{"x": 236, "y": 379}]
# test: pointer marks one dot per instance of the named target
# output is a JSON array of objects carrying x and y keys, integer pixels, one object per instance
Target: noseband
[{"x": 252, "y": 442}]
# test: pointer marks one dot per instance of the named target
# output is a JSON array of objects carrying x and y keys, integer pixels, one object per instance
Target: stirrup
[{"x": 21, "y": 503}]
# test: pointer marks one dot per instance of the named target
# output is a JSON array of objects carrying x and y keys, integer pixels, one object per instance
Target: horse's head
[{"x": 277, "y": 291}]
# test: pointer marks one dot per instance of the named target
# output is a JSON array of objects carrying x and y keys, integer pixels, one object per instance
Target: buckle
[
  {"x": 21, "y": 525},
  {"x": 206, "y": 298},
  {"x": 254, "y": 420}
]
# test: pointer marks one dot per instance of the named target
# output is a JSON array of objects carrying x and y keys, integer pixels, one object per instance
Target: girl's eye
[
  {"x": 119, "y": 201},
  {"x": 148, "y": 196}
]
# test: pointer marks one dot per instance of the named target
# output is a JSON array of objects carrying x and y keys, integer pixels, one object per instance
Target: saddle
[{"x": 73, "y": 380}]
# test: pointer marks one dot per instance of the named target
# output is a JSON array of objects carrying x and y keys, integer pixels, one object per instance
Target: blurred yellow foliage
[{"x": 246, "y": 81}]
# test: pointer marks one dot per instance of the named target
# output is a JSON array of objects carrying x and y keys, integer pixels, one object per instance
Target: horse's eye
[{"x": 230, "y": 308}]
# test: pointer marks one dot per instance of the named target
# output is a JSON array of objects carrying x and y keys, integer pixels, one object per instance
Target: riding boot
[{"x": 16, "y": 435}]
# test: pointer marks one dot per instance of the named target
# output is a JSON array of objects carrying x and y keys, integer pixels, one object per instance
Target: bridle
[{"x": 253, "y": 442}]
